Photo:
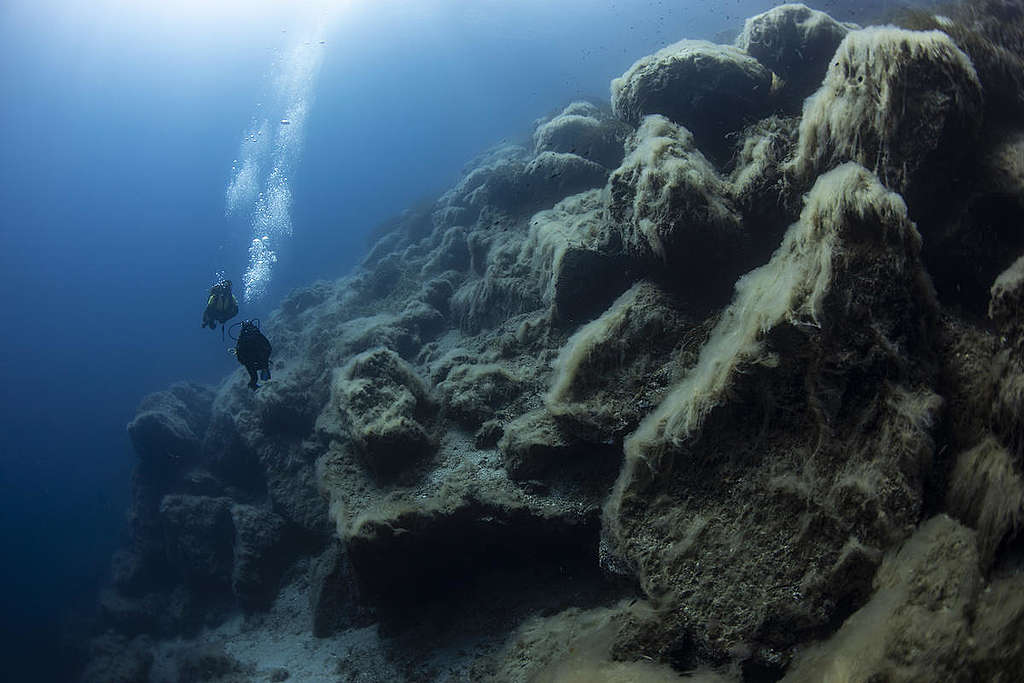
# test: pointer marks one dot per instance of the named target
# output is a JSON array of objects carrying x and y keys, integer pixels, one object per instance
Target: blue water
[{"x": 119, "y": 129}]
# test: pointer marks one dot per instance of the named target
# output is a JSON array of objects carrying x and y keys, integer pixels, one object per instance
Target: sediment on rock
[{"x": 694, "y": 380}]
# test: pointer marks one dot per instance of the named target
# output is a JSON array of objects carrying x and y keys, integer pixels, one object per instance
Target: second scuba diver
[{"x": 253, "y": 351}]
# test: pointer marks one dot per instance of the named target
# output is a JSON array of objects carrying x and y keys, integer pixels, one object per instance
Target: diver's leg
[{"x": 252, "y": 378}]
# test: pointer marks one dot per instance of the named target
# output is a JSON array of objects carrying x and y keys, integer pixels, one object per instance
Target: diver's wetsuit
[
  {"x": 253, "y": 351},
  {"x": 221, "y": 306}
]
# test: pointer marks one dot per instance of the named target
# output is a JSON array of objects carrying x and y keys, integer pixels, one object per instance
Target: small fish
[{"x": 285, "y": 122}]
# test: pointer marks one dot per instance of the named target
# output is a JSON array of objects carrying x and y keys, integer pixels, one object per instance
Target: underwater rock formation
[
  {"x": 711, "y": 89},
  {"x": 697, "y": 381},
  {"x": 796, "y": 43},
  {"x": 806, "y": 355},
  {"x": 906, "y": 104}
]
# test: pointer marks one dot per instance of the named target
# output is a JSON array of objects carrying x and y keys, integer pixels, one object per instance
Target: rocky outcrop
[
  {"x": 380, "y": 406},
  {"x": 906, "y": 104},
  {"x": 584, "y": 130},
  {"x": 796, "y": 43},
  {"x": 807, "y": 347},
  {"x": 673, "y": 210},
  {"x": 695, "y": 382},
  {"x": 711, "y": 89}
]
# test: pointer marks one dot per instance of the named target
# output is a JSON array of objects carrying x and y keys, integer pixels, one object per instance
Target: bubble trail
[{"x": 258, "y": 191}]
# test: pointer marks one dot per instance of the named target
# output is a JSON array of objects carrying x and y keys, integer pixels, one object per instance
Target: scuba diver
[
  {"x": 253, "y": 351},
  {"x": 221, "y": 307}
]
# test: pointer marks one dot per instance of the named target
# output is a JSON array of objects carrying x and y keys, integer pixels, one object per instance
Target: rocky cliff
[{"x": 722, "y": 379}]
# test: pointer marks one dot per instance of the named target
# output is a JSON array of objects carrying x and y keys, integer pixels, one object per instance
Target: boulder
[
  {"x": 169, "y": 425},
  {"x": 767, "y": 500},
  {"x": 796, "y": 43},
  {"x": 917, "y": 625},
  {"x": 711, "y": 89},
  {"x": 380, "y": 406},
  {"x": 552, "y": 176},
  {"x": 905, "y": 103},
  {"x": 333, "y": 599},
  {"x": 674, "y": 211},
  {"x": 615, "y": 369},
  {"x": 582, "y": 129}
]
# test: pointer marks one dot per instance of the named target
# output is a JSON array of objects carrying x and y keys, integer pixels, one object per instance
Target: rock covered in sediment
[
  {"x": 906, "y": 104},
  {"x": 381, "y": 405},
  {"x": 711, "y": 89},
  {"x": 917, "y": 625},
  {"x": 169, "y": 424},
  {"x": 796, "y": 43},
  {"x": 584, "y": 130},
  {"x": 987, "y": 492},
  {"x": 673, "y": 209},
  {"x": 616, "y": 368},
  {"x": 1007, "y": 313},
  {"x": 806, "y": 353},
  {"x": 445, "y": 424},
  {"x": 198, "y": 535}
]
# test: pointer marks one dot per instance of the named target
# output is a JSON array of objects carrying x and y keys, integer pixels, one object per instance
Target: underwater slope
[{"x": 724, "y": 379}]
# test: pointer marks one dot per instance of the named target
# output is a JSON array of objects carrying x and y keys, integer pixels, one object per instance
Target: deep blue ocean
[{"x": 124, "y": 128}]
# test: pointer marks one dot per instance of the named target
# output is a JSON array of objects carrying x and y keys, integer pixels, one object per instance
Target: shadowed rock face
[{"x": 687, "y": 381}]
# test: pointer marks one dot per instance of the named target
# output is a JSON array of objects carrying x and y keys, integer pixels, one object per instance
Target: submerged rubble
[{"x": 714, "y": 380}]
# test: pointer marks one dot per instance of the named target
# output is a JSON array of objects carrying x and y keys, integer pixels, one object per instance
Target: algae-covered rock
[
  {"x": 551, "y": 176},
  {"x": 534, "y": 271},
  {"x": 473, "y": 392},
  {"x": 169, "y": 424},
  {"x": 987, "y": 493},
  {"x": 417, "y": 553},
  {"x": 533, "y": 444},
  {"x": 711, "y": 89},
  {"x": 904, "y": 103},
  {"x": 917, "y": 625},
  {"x": 674, "y": 210},
  {"x": 806, "y": 354},
  {"x": 1005, "y": 309},
  {"x": 796, "y": 43},
  {"x": 660, "y": 389},
  {"x": 380, "y": 405},
  {"x": 584, "y": 130},
  {"x": 1006, "y": 306},
  {"x": 615, "y": 369}
]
